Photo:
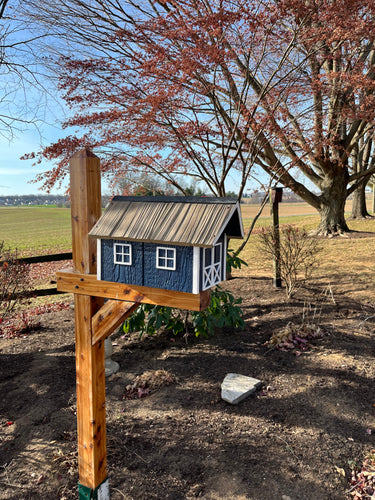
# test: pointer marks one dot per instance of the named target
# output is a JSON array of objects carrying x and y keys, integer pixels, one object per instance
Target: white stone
[{"x": 236, "y": 387}]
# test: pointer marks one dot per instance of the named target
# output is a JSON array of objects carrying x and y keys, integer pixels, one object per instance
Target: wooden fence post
[
  {"x": 275, "y": 199},
  {"x": 90, "y": 369}
]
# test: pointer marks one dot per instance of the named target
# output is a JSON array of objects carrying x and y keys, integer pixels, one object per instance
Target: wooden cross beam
[{"x": 96, "y": 320}]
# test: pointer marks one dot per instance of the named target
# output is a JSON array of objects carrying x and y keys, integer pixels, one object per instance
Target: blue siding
[
  {"x": 132, "y": 275},
  {"x": 143, "y": 270},
  {"x": 179, "y": 280}
]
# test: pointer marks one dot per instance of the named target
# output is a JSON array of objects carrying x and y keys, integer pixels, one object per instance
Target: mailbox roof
[{"x": 176, "y": 220}]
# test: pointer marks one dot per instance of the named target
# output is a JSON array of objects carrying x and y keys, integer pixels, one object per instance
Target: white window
[
  {"x": 166, "y": 258},
  {"x": 122, "y": 254},
  {"x": 212, "y": 258}
]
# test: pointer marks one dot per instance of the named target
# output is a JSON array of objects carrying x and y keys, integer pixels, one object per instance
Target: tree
[
  {"x": 3, "y": 4},
  {"x": 142, "y": 185},
  {"x": 363, "y": 161},
  {"x": 206, "y": 89},
  {"x": 22, "y": 93}
]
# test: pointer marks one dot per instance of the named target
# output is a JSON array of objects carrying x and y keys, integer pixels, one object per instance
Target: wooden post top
[
  {"x": 86, "y": 208},
  {"x": 84, "y": 153}
]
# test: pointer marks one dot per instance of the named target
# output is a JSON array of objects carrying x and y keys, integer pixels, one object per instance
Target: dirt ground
[{"x": 296, "y": 438}]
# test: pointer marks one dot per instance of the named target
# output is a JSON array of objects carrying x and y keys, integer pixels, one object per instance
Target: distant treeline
[{"x": 37, "y": 199}]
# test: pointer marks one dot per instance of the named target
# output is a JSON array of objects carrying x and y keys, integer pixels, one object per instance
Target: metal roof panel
[{"x": 170, "y": 220}]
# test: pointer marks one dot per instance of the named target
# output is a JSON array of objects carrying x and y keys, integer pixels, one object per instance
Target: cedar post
[
  {"x": 90, "y": 369},
  {"x": 95, "y": 321}
]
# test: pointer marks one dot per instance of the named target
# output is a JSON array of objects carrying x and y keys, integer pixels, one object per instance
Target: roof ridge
[{"x": 178, "y": 199}]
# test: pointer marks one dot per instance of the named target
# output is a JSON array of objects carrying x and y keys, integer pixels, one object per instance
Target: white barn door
[{"x": 212, "y": 266}]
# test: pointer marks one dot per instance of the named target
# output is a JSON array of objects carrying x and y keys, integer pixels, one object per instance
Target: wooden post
[
  {"x": 90, "y": 370},
  {"x": 275, "y": 199},
  {"x": 95, "y": 321}
]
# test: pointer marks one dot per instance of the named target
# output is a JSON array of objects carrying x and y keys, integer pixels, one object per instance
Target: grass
[
  {"x": 36, "y": 230},
  {"x": 347, "y": 263}
]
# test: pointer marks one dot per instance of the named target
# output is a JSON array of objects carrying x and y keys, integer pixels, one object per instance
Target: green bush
[{"x": 223, "y": 311}]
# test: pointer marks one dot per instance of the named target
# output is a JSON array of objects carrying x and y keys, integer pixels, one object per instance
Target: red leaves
[
  {"x": 295, "y": 337},
  {"x": 220, "y": 85},
  {"x": 133, "y": 392},
  {"x": 25, "y": 321}
]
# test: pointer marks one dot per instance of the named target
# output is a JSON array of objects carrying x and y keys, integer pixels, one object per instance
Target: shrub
[
  {"x": 297, "y": 256},
  {"x": 223, "y": 311},
  {"x": 14, "y": 279}
]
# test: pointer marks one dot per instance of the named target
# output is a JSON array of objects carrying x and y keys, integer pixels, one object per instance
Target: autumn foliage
[{"x": 217, "y": 89}]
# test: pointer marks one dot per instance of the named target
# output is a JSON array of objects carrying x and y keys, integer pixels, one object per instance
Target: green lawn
[{"x": 36, "y": 230}]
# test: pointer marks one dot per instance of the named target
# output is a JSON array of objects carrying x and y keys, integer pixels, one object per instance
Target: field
[
  {"x": 36, "y": 230},
  {"x": 41, "y": 230},
  {"x": 298, "y": 438}
]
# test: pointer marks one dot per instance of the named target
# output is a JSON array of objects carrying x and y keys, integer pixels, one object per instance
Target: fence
[{"x": 42, "y": 292}]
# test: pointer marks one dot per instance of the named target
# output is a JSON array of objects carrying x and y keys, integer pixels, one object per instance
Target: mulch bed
[{"x": 170, "y": 436}]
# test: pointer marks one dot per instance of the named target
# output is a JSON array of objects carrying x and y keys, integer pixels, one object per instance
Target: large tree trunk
[
  {"x": 332, "y": 205},
  {"x": 359, "y": 209}
]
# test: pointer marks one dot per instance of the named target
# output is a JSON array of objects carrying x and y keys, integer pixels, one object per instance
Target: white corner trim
[
  {"x": 98, "y": 259},
  {"x": 196, "y": 269},
  {"x": 224, "y": 257}
]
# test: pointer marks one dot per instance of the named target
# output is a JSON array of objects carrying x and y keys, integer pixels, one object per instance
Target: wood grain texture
[
  {"x": 110, "y": 317},
  {"x": 90, "y": 364},
  {"x": 87, "y": 284},
  {"x": 90, "y": 382},
  {"x": 86, "y": 209}
]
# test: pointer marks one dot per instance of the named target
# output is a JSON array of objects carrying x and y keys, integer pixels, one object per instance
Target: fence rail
[{"x": 40, "y": 259}]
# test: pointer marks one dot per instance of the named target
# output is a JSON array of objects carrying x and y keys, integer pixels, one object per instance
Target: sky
[
  {"x": 26, "y": 95},
  {"x": 16, "y": 174},
  {"x": 21, "y": 98}
]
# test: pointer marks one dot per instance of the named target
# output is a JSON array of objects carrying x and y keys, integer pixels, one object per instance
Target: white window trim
[
  {"x": 212, "y": 270},
  {"x": 123, "y": 245},
  {"x": 166, "y": 258}
]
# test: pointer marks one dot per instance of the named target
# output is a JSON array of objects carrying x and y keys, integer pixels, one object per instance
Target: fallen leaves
[
  {"x": 293, "y": 336},
  {"x": 148, "y": 381},
  {"x": 363, "y": 479},
  {"x": 25, "y": 321}
]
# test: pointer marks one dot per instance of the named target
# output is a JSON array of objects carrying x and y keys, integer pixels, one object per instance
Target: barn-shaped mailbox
[{"x": 172, "y": 243}]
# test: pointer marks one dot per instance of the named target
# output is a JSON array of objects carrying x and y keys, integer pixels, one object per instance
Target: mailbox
[
  {"x": 166, "y": 242},
  {"x": 276, "y": 194}
]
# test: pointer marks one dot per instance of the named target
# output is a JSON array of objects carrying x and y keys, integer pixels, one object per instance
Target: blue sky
[
  {"x": 16, "y": 174},
  {"x": 21, "y": 98}
]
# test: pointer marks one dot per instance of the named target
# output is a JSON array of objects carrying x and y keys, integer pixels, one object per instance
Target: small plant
[
  {"x": 14, "y": 279},
  {"x": 297, "y": 254},
  {"x": 223, "y": 311}
]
